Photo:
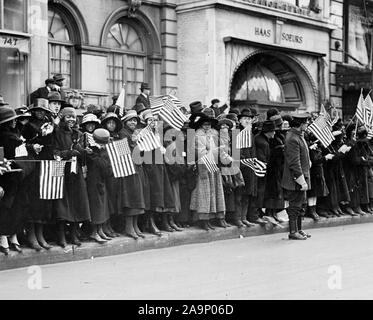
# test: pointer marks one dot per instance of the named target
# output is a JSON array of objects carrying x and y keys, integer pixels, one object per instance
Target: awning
[{"x": 353, "y": 78}]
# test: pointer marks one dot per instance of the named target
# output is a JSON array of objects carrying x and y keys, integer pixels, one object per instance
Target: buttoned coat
[
  {"x": 144, "y": 100},
  {"x": 297, "y": 160}
]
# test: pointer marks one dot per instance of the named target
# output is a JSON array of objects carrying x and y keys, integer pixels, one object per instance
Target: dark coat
[
  {"x": 319, "y": 187},
  {"x": 131, "y": 200},
  {"x": 39, "y": 93},
  {"x": 143, "y": 100},
  {"x": 250, "y": 179},
  {"x": 297, "y": 160},
  {"x": 274, "y": 198},
  {"x": 263, "y": 154},
  {"x": 99, "y": 169},
  {"x": 74, "y": 207}
]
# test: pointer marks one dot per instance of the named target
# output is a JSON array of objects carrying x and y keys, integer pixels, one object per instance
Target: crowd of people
[{"x": 171, "y": 195}]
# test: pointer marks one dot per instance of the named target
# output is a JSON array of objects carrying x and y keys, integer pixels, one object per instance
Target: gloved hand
[
  {"x": 37, "y": 148},
  {"x": 329, "y": 156},
  {"x": 302, "y": 182},
  {"x": 313, "y": 146}
]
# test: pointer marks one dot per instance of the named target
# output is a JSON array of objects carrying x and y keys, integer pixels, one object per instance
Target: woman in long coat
[
  {"x": 13, "y": 204},
  {"x": 39, "y": 133},
  {"x": 98, "y": 172},
  {"x": 74, "y": 207},
  {"x": 207, "y": 200},
  {"x": 162, "y": 198},
  {"x": 131, "y": 199}
]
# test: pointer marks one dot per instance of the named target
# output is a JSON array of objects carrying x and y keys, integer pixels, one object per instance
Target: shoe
[
  {"x": 45, "y": 245},
  {"x": 359, "y": 211},
  {"x": 210, "y": 225},
  {"x": 102, "y": 234},
  {"x": 204, "y": 225},
  {"x": 221, "y": 223},
  {"x": 175, "y": 227},
  {"x": 323, "y": 213},
  {"x": 305, "y": 234},
  {"x": 350, "y": 212},
  {"x": 260, "y": 221},
  {"x": 141, "y": 235},
  {"x": 15, "y": 247},
  {"x": 36, "y": 246},
  {"x": 335, "y": 212},
  {"x": 341, "y": 213},
  {"x": 132, "y": 235},
  {"x": 238, "y": 223},
  {"x": 154, "y": 230},
  {"x": 167, "y": 228},
  {"x": 97, "y": 238},
  {"x": 76, "y": 241},
  {"x": 296, "y": 236},
  {"x": 4, "y": 250},
  {"x": 248, "y": 224}
]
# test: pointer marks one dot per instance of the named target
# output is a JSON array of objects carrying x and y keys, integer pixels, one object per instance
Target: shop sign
[{"x": 8, "y": 41}]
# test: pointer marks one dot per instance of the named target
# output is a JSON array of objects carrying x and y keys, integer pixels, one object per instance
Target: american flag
[
  {"x": 120, "y": 102},
  {"x": 156, "y": 103},
  {"x": 51, "y": 179},
  {"x": 360, "y": 108},
  {"x": 21, "y": 151},
  {"x": 172, "y": 115},
  {"x": 326, "y": 115},
  {"x": 174, "y": 99},
  {"x": 244, "y": 138},
  {"x": 259, "y": 167},
  {"x": 120, "y": 158},
  {"x": 322, "y": 131},
  {"x": 209, "y": 162},
  {"x": 368, "y": 104},
  {"x": 147, "y": 141},
  {"x": 90, "y": 140}
]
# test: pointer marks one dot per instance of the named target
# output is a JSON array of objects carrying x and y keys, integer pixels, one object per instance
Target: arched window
[
  {"x": 127, "y": 60},
  {"x": 61, "y": 47}
]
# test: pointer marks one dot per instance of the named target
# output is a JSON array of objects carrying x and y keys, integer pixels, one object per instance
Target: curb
[{"x": 122, "y": 245}]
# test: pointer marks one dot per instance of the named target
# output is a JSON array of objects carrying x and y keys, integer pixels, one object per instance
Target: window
[
  {"x": 358, "y": 34},
  {"x": 13, "y": 15},
  {"x": 127, "y": 61},
  {"x": 60, "y": 47}
]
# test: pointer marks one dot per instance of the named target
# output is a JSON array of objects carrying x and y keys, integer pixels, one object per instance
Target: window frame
[{"x": 25, "y": 17}]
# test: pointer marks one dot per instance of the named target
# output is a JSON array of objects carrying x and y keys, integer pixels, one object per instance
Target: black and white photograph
[{"x": 186, "y": 155}]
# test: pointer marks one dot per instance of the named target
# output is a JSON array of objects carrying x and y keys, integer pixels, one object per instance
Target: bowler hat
[
  {"x": 42, "y": 104},
  {"x": 144, "y": 85},
  {"x": 54, "y": 96},
  {"x": 130, "y": 115},
  {"x": 139, "y": 107},
  {"x": 112, "y": 115},
  {"x": 268, "y": 126},
  {"x": 90, "y": 117},
  {"x": 58, "y": 77},
  {"x": 195, "y": 107},
  {"x": 245, "y": 113},
  {"x": 7, "y": 114},
  {"x": 2, "y": 102},
  {"x": 101, "y": 136},
  {"x": 213, "y": 101}
]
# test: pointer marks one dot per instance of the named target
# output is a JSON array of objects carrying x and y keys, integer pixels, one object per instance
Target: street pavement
[{"x": 336, "y": 263}]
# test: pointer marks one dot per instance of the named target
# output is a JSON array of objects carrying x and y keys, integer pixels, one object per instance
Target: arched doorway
[{"x": 266, "y": 79}]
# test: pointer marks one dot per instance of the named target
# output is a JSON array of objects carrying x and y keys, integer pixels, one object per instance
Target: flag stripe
[
  {"x": 51, "y": 179},
  {"x": 120, "y": 158},
  {"x": 259, "y": 167}
]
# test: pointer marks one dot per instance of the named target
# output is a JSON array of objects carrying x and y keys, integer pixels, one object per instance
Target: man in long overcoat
[
  {"x": 144, "y": 95},
  {"x": 296, "y": 176}
]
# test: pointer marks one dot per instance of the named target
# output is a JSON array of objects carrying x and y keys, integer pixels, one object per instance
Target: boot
[
  {"x": 4, "y": 245},
  {"x": 165, "y": 224},
  {"x": 204, "y": 225},
  {"x": 173, "y": 224},
  {"x": 152, "y": 226},
  {"x": 95, "y": 236},
  {"x": 112, "y": 233},
  {"x": 350, "y": 212},
  {"x": 136, "y": 227},
  {"x": 31, "y": 238},
  {"x": 221, "y": 223},
  {"x": 323, "y": 213},
  {"x": 61, "y": 239},
  {"x": 311, "y": 212},
  {"x": 101, "y": 233},
  {"x": 238, "y": 223},
  {"x": 129, "y": 230},
  {"x": 294, "y": 235},
  {"x": 106, "y": 229},
  {"x": 299, "y": 227},
  {"x": 365, "y": 208},
  {"x": 340, "y": 211},
  {"x": 210, "y": 225},
  {"x": 359, "y": 211},
  {"x": 40, "y": 236},
  {"x": 14, "y": 244},
  {"x": 74, "y": 234},
  {"x": 335, "y": 212}
]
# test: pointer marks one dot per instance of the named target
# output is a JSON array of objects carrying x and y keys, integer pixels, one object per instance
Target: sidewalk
[{"x": 121, "y": 245}]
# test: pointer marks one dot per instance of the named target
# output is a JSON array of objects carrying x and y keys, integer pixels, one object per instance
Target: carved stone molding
[{"x": 134, "y": 5}]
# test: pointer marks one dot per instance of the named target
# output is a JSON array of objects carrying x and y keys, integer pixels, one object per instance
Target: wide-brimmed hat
[
  {"x": 58, "y": 77},
  {"x": 130, "y": 115},
  {"x": 245, "y": 113},
  {"x": 90, "y": 117},
  {"x": 101, "y": 135},
  {"x": 147, "y": 114},
  {"x": 42, "y": 104},
  {"x": 196, "y": 107},
  {"x": 2, "y": 102},
  {"x": 226, "y": 121},
  {"x": 68, "y": 111},
  {"x": 304, "y": 116},
  {"x": 232, "y": 116},
  {"x": 268, "y": 126},
  {"x": 207, "y": 115},
  {"x": 112, "y": 115},
  {"x": 49, "y": 80},
  {"x": 23, "y": 111},
  {"x": 144, "y": 85},
  {"x": 7, "y": 114},
  {"x": 55, "y": 96}
]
